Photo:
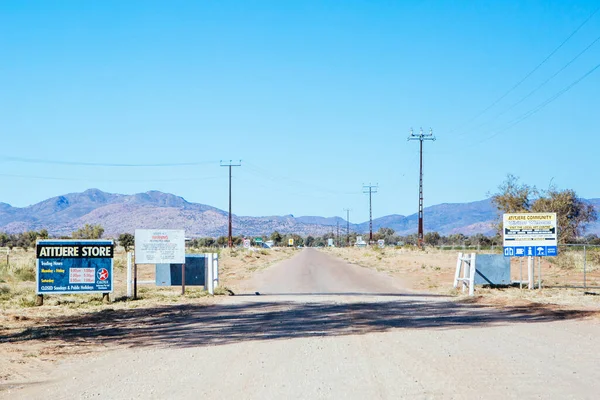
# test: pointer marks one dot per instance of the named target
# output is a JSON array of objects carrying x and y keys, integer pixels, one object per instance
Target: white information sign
[
  {"x": 160, "y": 246},
  {"x": 381, "y": 243},
  {"x": 532, "y": 234},
  {"x": 246, "y": 243}
]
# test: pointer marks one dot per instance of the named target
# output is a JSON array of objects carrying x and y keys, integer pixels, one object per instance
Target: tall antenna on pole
[
  {"x": 421, "y": 137},
  {"x": 230, "y": 164},
  {"x": 370, "y": 189},
  {"x": 347, "y": 226}
]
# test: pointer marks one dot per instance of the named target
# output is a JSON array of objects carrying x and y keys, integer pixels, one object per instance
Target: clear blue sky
[{"x": 315, "y": 97}]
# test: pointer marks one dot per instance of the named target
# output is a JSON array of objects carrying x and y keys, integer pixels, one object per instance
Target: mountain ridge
[{"x": 119, "y": 213}]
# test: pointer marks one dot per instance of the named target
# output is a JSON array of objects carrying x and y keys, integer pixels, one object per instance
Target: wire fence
[{"x": 575, "y": 266}]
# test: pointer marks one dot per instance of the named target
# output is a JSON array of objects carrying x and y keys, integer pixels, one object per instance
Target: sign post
[
  {"x": 530, "y": 235},
  {"x": 159, "y": 246}
]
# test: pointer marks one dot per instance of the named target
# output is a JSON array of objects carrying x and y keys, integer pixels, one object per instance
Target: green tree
[
  {"x": 432, "y": 238},
  {"x": 572, "y": 212},
  {"x": 309, "y": 241},
  {"x": 127, "y": 240},
  {"x": 276, "y": 238},
  {"x": 89, "y": 232}
]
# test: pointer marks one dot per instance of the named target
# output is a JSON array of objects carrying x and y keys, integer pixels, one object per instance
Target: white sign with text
[{"x": 159, "y": 246}]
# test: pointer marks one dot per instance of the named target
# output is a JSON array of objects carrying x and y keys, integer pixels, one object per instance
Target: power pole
[
  {"x": 370, "y": 189},
  {"x": 338, "y": 234},
  {"x": 421, "y": 137},
  {"x": 230, "y": 164},
  {"x": 347, "y": 226}
]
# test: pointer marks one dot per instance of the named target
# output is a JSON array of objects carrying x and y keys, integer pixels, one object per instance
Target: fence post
[
  {"x": 129, "y": 262},
  {"x": 584, "y": 267}
]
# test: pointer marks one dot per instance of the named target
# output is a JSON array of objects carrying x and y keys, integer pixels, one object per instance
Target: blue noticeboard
[
  {"x": 74, "y": 266},
  {"x": 195, "y": 272}
]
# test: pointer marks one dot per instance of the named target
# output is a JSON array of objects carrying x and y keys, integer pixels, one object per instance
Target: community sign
[
  {"x": 159, "y": 246},
  {"x": 74, "y": 266},
  {"x": 529, "y": 235}
]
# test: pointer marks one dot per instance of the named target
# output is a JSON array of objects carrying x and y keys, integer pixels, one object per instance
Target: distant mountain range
[{"x": 119, "y": 213}]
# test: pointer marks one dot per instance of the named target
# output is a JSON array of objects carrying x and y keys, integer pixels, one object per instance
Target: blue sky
[{"x": 315, "y": 97}]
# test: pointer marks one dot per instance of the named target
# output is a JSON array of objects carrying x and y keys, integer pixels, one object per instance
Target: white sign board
[
  {"x": 160, "y": 246},
  {"x": 381, "y": 243},
  {"x": 532, "y": 234},
  {"x": 330, "y": 242},
  {"x": 246, "y": 243}
]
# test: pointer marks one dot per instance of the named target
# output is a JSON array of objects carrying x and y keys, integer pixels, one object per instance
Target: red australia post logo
[{"x": 103, "y": 274}]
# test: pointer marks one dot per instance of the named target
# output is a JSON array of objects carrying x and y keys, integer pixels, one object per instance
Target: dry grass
[{"x": 433, "y": 270}]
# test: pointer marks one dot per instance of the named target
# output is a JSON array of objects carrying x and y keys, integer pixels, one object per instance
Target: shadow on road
[
  {"x": 203, "y": 325},
  {"x": 341, "y": 294}
]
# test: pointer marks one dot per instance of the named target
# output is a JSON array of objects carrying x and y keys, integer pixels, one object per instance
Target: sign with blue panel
[
  {"x": 195, "y": 272},
  {"x": 74, "y": 266},
  {"x": 530, "y": 251},
  {"x": 530, "y": 235}
]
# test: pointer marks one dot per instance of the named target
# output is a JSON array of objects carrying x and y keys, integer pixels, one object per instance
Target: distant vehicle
[{"x": 263, "y": 245}]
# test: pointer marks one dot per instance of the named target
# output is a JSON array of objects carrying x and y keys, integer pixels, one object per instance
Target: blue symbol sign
[{"x": 530, "y": 251}]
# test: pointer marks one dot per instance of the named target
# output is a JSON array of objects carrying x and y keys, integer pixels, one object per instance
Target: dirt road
[{"x": 324, "y": 329}]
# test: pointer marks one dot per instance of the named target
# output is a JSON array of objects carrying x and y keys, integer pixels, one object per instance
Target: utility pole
[
  {"x": 370, "y": 189},
  {"x": 230, "y": 164},
  {"x": 347, "y": 226},
  {"x": 338, "y": 234},
  {"x": 421, "y": 137}
]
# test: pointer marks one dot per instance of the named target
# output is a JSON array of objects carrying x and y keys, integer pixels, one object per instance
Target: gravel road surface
[{"x": 324, "y": 329}]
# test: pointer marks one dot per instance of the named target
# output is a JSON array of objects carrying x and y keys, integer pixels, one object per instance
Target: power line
[
  {"x": 288, "y": 181},
  {"x": 540, "y": 85},
  {"x": 370, "y": 189},
  {"x": 421, "y": 137},
  {"x": 516, "y": 85},
  {"x": 540, "y": 106},
  {"x": 94, "y": 164},
  {"x": 53, "y": 178},
  {"x": 230, "y": 164}
]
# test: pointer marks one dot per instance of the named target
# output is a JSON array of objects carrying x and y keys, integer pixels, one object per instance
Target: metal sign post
[{"x": 183, "y": 279}]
